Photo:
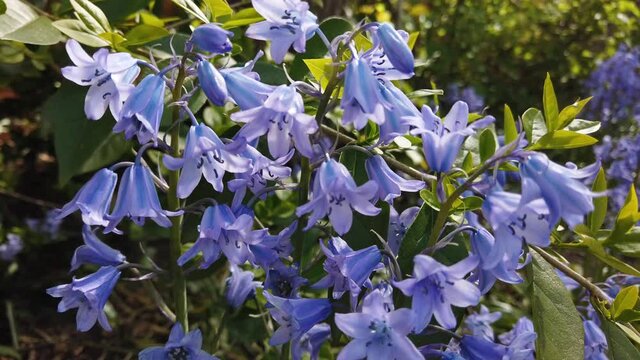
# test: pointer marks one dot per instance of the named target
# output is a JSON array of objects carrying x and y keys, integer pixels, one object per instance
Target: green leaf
[
  {"x": 533, "y": 123},
  {"x": 190, "y": 7},
  {"x": 3, "y": 7},
  {"x": 627, "y": 217},
  {"x": 619, "y": 345},
  {"x": 563, "y": 139},
  {"x": 76, "y": 30},
  {"x": 510, "y": 131},
  {"x": 91, "y": 16},
  {"x": 413, "y": 37},
  {"x": 320, "y": 69},
  {"x": 550, "y": 104},
  {"x": 625, "y": 300},
  {"x": 555, "y": 318},
  {"x": 218, "y": 8},
  {"x": 467, "y": 163},
  {"x": 360, "y": 236},
  {"x": 583, "y": 126},
  {"x": 81, "y": 145},
  {"x": 599, "y": 214},
  {"x": 569, "y": 113},
  {"x": 9, "y": 352},
  {"x": 21, "y": 23},
  {"x": 243, "y": 17},
  {"x": 118, "y": 10},
  {"x": 488, "y": 144},
  {"x": 416, "y": 237},
  {"x": 596, "y": 248},
  {"x": 143, "y": 34},
  {"x": 629, "y": 244}
]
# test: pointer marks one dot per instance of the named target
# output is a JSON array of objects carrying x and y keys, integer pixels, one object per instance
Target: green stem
[
  {"x": 443, "y": 214},
  {"x": 223, "y": 321},
  {"x": 591, "y": 287},
  {"x": 175, "y": 246}
]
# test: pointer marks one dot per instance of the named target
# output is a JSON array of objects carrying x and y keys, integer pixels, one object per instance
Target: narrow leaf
[
  {"x": 563, "y": 139},
  {"x": 625, "y": 300},
  {"x": 510, "y": 130},
  {"x": 92, "y": 16},
  {"x": 627, "y": 217},
  {"x": 488, "y": 144},
  {"x": 619, "y": 345},
  {"x": 597, "y": 217},
  {"x": 550, "y": 104},
  {"x": 569, "y": 113}
]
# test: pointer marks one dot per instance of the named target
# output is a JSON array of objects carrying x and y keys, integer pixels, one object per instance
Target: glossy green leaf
[
  {"x": 599, "y": 214},
  {"x": 627, "y": 217},
  {"x": 81, "y": 145},
  {"x": 320, "y": 69},
  {"x": 555, "y": 318},
  {"x": 192, "y": 8},
  {"x": 597, "y": 249},
  {"x": 563, "y": 139},
  {"x": 619, "y": 345},
  {"x": 416, "y": 237},
  {"x": 510, "y": 130},
  {"x": 625, "y": 300},
  {"x": 76, "y": 30},
  {"x": 569, "y": 113},
  {"x": 218, "y": 8},
  {"x": 21, "y": 23},
  {"x": 550, "y": 104},
  {"x": 533, "y": 123},
  {"x": 243, "y": 17},
  {"x": 91, "y": 16},
  {"x": 583, "y": 126},
  {"x": 143, "y": 34},
  {"x": 488, "y": 143}
]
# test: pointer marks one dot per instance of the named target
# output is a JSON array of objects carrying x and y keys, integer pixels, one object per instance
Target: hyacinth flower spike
[{"x": 108, "y": 76}]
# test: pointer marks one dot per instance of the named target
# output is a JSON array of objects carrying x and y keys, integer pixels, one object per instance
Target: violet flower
[
  {"x": 311, "y": 342},
  {"x": 295, "y": 316},
  {"x": 390, "y": 184},
  {"x": 142, "y": 112},
  {"x": 93, "y": 199},
  {"x": 240, "y": 286},
  {"x": 244, "y": 86},
  {"x": 212, "y": 38},
  {"x": 95, "y": 252},
  {"x": 179, "y": 346},
  {"x": 12, "y": 247}
]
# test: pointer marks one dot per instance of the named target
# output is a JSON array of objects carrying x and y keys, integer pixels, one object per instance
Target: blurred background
[{"x": 487, "y": 53}]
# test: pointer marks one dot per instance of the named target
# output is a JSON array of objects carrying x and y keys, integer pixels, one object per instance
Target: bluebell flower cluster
[{"x": 279, "y": 146}]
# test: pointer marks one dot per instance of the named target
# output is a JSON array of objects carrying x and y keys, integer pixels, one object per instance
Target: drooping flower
[
  {"x": 335, "y": 193},
  {"x": 11, "y": 248},
  {"x": 390, "y": 184},
  {"x": 595, "y": 342},
  {"x": 400, "y": 118},
  {"x": 222, "y": 231},
  {"x": 284, "y": 281},
  {"x": 142, "y": 112},
  {"x": 282, "y": 118},
  {"x": 479, "y": 324},
  {"x": 516, "y": 219},
  {"x": 442, "y": 138},
  {"x": 108, "y": 76},
  {"x": 137, "y": 199},
  {"x": 205, "y": 154},
  {"x": 505, "y": 270},
  {"x": 95, "y": 252},
  {"x": 398, "y": 226},
  {"x": 395, "y": 47},
  {"x": 295, "y": 316},
  {"x": 244, "y": 86},
  {"x": 566, "y": 196},
  {"x": 520, "y": 341},
  {"x": 240, "y": 286},
  {"x": 212, "y": 83},
  {"x": 178, "y": 346},
  {"x": 212, "y": 38},
  {"x": 479, "y": 348},
  {"x": 434, "y": 288},
  {"x": 89, "y": 294},
  {"x": 376, "y": 333},
  {"x": 348, "y": 270},
  {"x": 261, "y": 172},
  {"x": 93, "y": 199},
  {"x": 287, "y": 23},
  {"x": 362, "y": 99},
  {"x": 269, "y": 249},
  {"x": 311, "y": 342}
]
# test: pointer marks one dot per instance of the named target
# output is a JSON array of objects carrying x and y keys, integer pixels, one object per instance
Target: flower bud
[
  {"x": 396, "y": 48},
  {"x": 212, "y": 83},
  {"x": 212, "y": 38}
]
